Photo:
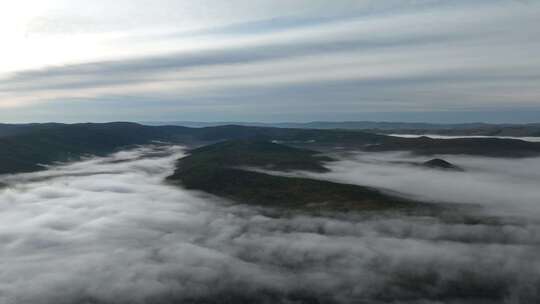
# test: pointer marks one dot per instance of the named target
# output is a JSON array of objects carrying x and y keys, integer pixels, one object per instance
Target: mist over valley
[
  {"x": 270, "y": 152},
  {"x": 111, "y": 230}
]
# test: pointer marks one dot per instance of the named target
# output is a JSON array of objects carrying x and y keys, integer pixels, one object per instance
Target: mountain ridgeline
[
  {"x": 27, "y": 147},
  {"x": 461, "y": 129}
]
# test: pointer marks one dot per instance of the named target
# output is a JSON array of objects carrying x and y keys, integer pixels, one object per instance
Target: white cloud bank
[
  {"x": 501, "y": 185},
  {"x": 525, "y": 138},
  {"x": 107, "y": 230}
]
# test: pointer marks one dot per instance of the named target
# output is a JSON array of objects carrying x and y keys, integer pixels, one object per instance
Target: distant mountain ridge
[
  {"x": 24, "y": 148},
  {"x": 461, "y": 129},
  {"x": 343, "y": 124}
]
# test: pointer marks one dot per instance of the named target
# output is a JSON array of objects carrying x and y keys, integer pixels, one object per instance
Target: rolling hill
[
  {"x": 24, "y": 148},
  {"x": 219, "y": 169}
]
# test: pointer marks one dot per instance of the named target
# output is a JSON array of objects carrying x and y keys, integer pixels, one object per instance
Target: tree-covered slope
[
  {"x": 216, "y": 169},
  {"x": 493, "y": 147},
  {"x": 358, "y": 140},
  {"x": 26, "y": 151},
  {"x": 24, "y": 147},
  {"x": 257, "y": 153}
]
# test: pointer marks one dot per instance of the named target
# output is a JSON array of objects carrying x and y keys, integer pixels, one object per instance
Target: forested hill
[
  {"x": 24, "y": 147},
  {"x": 461, "y": 129},
  {"x": 222, "y": 169}
]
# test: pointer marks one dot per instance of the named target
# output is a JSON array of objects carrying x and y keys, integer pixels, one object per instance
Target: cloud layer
[
  {"x": 333, "y": 60},
  {"x": 107, "y": 230}
]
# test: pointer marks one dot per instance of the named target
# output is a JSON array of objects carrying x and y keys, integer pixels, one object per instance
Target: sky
[{"x": 270, "y": 60}]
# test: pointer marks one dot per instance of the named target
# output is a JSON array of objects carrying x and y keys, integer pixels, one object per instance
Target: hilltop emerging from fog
[{"x": 223, "y": 169}]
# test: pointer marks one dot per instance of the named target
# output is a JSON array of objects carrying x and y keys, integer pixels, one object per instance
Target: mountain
[
  {"x": 219, "y": 169},
  {"x": 352, "y": 125},
  {"x": 438, "y": 163},
  {"x": 358, "y": 140},
  {"x": 31, "y": 146},
  {"x": 386, "y": 127},
  {"x": 257, "y": 153},
  {"x": 26, "y": 148},
  {"x": 17, "y": 129},
  {"x": 493, "y": 147},
  {"x": 528, "y": 130}
]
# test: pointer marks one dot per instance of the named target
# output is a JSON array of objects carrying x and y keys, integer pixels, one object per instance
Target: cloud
[
  {"x": 500, "y": 185},
  {"x": 525, "y": 138},
  {"x": 388, "y": 58},
  {"x": 108, "y": 230}
]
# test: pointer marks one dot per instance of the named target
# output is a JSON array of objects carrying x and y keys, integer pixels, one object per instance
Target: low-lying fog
[
  {"x": 108, "y": 230},
  {"x": 502, "y": 185},
  {"x": 525, "y": 138}
]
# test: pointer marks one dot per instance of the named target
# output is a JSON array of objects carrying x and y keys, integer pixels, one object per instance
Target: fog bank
[
  {"x": 437, "y": 136},
  {"x": 108, "y": 230},
  {"x": 502, "y": 186}
]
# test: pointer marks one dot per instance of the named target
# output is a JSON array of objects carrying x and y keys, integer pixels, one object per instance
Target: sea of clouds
[
  {"x": 109, "y": 230},
  {"x": 502, "y": 185}
]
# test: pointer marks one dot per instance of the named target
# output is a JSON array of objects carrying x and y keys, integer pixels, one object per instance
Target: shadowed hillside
[
  {"x": 214, "y": 169},
  {"x": 25, "y": 147},
  {"x": 44, "y": 144},
  {"x": 494, "y": 147}
]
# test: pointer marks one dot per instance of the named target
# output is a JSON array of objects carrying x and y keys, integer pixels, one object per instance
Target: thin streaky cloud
[{"x": 467, "y": 55}]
